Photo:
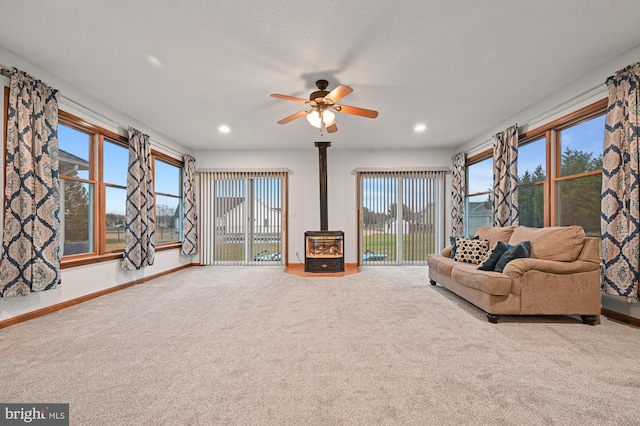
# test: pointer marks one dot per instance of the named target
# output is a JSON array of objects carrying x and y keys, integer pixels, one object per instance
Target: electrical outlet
[{"x": 297, "y": 252}]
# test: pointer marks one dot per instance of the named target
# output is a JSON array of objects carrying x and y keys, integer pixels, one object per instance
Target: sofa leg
[
  {"x": 589, "y": 319},
  {"x": 432, "y": 282},
  {"x": 493, "y": 319}
]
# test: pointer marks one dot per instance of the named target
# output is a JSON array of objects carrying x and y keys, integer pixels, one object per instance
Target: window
[
  {"x": 478, "y": 210},
  {"x": 560, "y": 171},
  {"x": 76, "y": 190},
  {"x": 167, "y": 184},
  {"x": 579, "y": 181},
  {"x": 114, "y": 176},
  {"x": 94, "y": 165}
]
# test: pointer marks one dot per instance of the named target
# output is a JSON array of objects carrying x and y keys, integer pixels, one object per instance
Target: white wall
[
  {"x": 83, "y": 280},
  {"x": 304, "y": 184},
  {"x": 583, "y": 91}
]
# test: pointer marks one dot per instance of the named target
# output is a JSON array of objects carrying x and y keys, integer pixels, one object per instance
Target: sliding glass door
[
  {"x": 243, "y": 221},
  {"x": 401, "y": 217}
]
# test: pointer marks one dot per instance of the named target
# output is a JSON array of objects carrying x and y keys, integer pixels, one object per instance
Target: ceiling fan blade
[
  {"x": 293, "y": 117},
  {"x": 332, "y": 128},
  {"x": 369, "y": 113},
  {"x": 339, "y": 93},
  {"x": 289, "y": 98}
]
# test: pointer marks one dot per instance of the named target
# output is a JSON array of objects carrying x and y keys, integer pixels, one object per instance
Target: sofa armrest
[
  {"x": 518, "y": 267},
  {"x": 446, "y": 252}
]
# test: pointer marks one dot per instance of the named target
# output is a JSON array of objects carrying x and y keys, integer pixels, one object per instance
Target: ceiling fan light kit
[
  {"x": 322, "y": 104},
  {"x": 318, "y": 118}
]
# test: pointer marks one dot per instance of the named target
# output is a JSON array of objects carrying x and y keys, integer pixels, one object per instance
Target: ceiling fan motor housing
[{"x": 321, "y": 92}]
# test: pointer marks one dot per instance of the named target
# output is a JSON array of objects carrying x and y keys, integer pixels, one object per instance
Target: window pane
[
  {"x": 168, "y": 219},
  {"x": 229, "y": 213},
  {"x": 267, "y": 219},
  {"x": 116, "y": 200},
  {"x": 581, "y": 146},
  {"x": 478, "y": 212},
  {"x": 579, "y": 203},
  {"x": 379, "y": 214},
  {"x": 74, "y": 147},
  {"x": 166, "y": 178},
  {"x": 532, "y": 162},
  {"x": 480, "y": 176},
  {"x": 531, "y": 204},
  {"x": 77, "y": 216},
  {"x": 116, "y": 164}
]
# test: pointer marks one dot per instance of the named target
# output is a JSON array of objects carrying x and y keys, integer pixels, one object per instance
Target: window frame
[
  {"x": 550, "y": 132},
  {"x": 82, "y": 127},
  {"x": 470, "y": 161},
  {"x": 546, "y": 193},
  {"x": 123, "y": 142},
  {"x": 155, "y": 155}
]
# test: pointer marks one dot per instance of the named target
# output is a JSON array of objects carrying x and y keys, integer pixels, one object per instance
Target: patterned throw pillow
[
  {"x": 471, "y": 251},
  {"x": 454, "y": 247}
]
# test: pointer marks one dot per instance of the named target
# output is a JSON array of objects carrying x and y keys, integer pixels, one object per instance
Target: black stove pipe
[{"x": 324, "y": 211}]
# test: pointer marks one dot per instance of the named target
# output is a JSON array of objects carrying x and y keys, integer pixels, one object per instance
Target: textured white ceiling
[{"x": 441, "y": 63}]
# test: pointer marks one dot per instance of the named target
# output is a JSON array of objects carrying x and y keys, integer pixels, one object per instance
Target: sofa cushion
[
  {"x": 471, "y": 251},
  {"x": 441, "y": 264},
  {"x": 495, "y": 233},
  {"x": 493, "y": 255},
  {"x": 487, "y": 281},
  {"x": 561, "y": 243},
  {"x": 516, "y": 251}
]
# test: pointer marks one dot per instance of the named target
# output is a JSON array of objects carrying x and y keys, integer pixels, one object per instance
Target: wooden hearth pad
[{"x": 298, "y": 269}]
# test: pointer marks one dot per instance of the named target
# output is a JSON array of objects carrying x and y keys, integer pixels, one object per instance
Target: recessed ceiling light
[
  {"x": 420, "y": 128},
  {"x": 154, "y": 61},
  {"x": 224, "y": 129}
]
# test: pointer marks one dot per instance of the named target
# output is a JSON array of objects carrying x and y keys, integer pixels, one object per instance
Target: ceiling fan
[{"x": 322, "y": 103}]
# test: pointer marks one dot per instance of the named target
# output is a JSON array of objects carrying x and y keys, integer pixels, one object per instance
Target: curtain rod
[{"x": 6, "y": 71}]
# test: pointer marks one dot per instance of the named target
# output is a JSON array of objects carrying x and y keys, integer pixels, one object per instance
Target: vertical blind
[
  {"x": 242, "y": 217},
  {"x": 401, "y": 216}
]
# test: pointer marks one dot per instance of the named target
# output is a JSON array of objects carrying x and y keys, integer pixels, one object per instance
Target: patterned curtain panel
[
  {"x": 31, "y": 253},
  {"x": 458, "y": 193},
  {"x": 620, "y": 194},
  {"x": 190, "y": 218},
  {"x": 140, "y": 227},
  {"x": 505, "y": 178}
]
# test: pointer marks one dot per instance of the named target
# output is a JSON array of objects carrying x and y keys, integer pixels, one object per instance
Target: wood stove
[{"x": 324, "y": 250}]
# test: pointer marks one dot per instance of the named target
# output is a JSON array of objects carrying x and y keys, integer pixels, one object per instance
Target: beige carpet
[{"x": 254, "y": 345}]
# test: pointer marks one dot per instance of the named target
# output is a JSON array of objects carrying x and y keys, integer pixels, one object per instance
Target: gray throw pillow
[
  {"x": 489, "y": 262},
  {"x": 518, "y": 251}
]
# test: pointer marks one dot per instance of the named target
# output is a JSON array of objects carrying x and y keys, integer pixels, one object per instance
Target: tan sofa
[{"x": 561, "y": 277}]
